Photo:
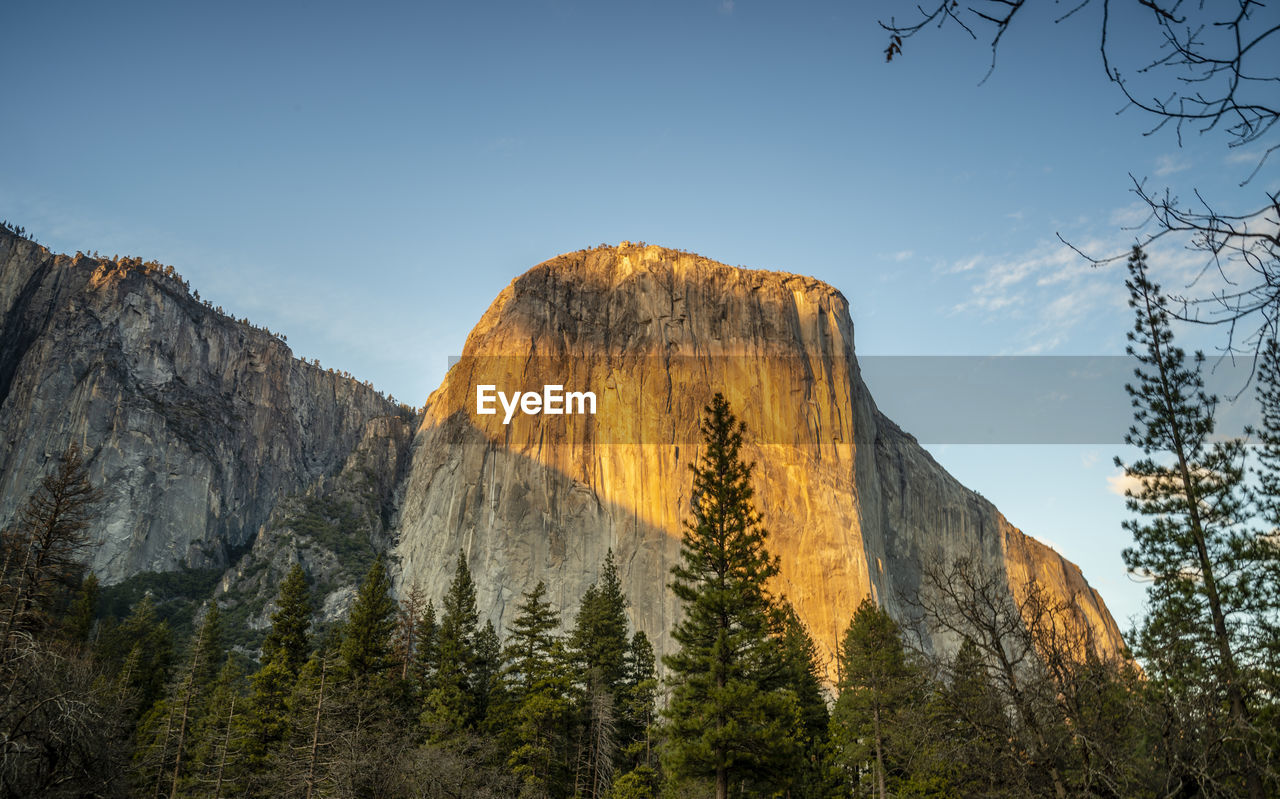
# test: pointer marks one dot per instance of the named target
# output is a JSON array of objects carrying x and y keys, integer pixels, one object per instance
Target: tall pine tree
[
  {"x": 449, "y": 703},
  {"x": 877, "y": 684},
  {"x": 1203, "y": 564},
  {"x": 729, "y": 719},
  {"x": 367, "y": 648},
  {"x": 291, "y": 622}
]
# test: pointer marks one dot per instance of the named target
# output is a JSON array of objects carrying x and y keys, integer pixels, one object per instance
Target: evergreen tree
[
  {"x": 537, "y": 702},
  {"x": 423, "y": 668},
  {"x": 143, "y": 646},
  {"x": 877, "y": 684},
  {"x": 291, "y": 622},
  {"x": 264, "y": 723},
  {"x": 816, "y": 776},
  {"x": 598, "y": 641},
  {"x": 1189, "y": 541},
  {"x": 637, "y": 711},
  {"x": 974, "y": 723},
  {"x": 215, "y": 749},
  {"x": 166, "y": 733},
  {"x": 729, "y": 720},
  {"x": 486, "y": 674},
  {"x": 530, "y": 642},
  {"x": 410, "y": 617},
  {"x": 80, "y": 615},
  {"x": 367, "y": 648},
  {"x": 450, "y": 699},
  {"x": 42, "y": 555}
]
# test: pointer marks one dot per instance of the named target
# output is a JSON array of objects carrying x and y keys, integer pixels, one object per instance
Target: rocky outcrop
[
  {"x": 853, "y": 504},
  {"x": 218, "y": 449},
  {"x": 195, "y": 424}
]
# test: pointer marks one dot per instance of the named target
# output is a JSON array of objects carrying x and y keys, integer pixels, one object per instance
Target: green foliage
[
  {"x": 167, "y": 734},
  {"x": 291, "y": 622},
  {"x": 83, "y": 610},
  {"x": 530, "y": 645},
  {"x": 730, "y": 718},
  {"x": 878, "y": 687},
  {"x": 814, "y": 775},
  {"x": 176, "y": 596},
  {"x": 366, "y": 649},
  {"x": 1213, "y": 604},
  {"x": 142, "y": 648},
  {"x": 449, "y": 701},
  {"x": 335, "y": 525},
  {"x": 536, "y": 709},
  {"x": 598, "y": 642}
]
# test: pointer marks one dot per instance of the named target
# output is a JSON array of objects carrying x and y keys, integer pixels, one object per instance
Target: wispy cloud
[
  {"x": 726, "y": 7},
  {"x": 1050, "y": 292},
  {"x": 1121, "y": 483},
  {"x": 1171, "y": 164}
]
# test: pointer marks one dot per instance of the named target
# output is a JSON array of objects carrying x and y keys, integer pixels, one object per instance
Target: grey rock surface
[
  {"x": 854, "y": 505},
  {"x": 195, "y": 424}
]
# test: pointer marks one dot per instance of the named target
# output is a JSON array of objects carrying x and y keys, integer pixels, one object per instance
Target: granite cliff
[
  {"x": 219, "y": 450},
  {"x": 854, "y": 505},
  {"x": 196, "y": 424}
]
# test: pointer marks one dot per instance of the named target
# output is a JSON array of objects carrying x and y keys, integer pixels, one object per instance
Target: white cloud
[
  {"x": 1171, "y": 164},
  {"x": 1122, "y": 482},
  {"x": 726, "y": 7}
]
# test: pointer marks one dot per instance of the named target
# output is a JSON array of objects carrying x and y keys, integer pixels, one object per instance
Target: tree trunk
[
  {"x": 315, "y": 734},
  {"x": 880, "y": 786},
  {"x": 226, "y": 744},
  {"x": 1230, "y": 673}
]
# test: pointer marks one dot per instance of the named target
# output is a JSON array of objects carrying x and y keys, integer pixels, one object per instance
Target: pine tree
[
  {"x": 537, "y": 705},
  {"x": 486, "y": 675},
  {"x": 1189, "y": 541},
  {"x": 877, "y": 683},
  {"x": 423, "y": 668},
  {"x": 43, "y": 553},
  {"x": 450, "y": 700},
  {"x": 143, "y": 645},
  {"x": 291, "y": 622},
  {"x": 214, "y": 748},
  {"x": 815, "y": 776},
  {"x": 367, "y": 649},
  {"x": 729, "y": 719},
  {"x": 83, "y": 610},
  {"x": 410, "y": 617},
  {"x": 530, "y": 641},
  {"x": 637, "y": 710},
  {"x": 598, "y": 641},
  {"x": 974, "y": 722},
  {"x": 165, "y": 735}
]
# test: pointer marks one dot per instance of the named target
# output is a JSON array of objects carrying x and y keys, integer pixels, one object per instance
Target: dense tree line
[{"x": 419, "y": 697}]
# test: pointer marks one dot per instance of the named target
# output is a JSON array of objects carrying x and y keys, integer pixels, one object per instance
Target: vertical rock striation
[{"x": 854, "y": 505}]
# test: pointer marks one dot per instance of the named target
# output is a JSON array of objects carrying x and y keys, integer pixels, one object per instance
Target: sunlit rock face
[
  {"x": 195, "y": 424},
  {"x": 853, "y": 504}
]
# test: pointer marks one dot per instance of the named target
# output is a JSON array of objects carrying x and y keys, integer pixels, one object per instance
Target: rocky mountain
[
  {"x": 219, "y": 450},
  {"x": 197, "y": 425},
  {"x": 854, "y": 505}
]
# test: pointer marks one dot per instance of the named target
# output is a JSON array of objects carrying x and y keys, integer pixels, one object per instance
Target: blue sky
[{"x": 366, "y": 178}]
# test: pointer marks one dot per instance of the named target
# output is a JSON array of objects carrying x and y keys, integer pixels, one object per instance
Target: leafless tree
[
  {"x": 1204, "y": 68},
  {"x": 45, "y": 550}
]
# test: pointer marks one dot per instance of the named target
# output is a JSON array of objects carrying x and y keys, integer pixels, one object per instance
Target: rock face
[
  {"x": 217, "y": 448},
  {"x": 195, "y": 424},
  {"x": 854, "y": 505}
]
